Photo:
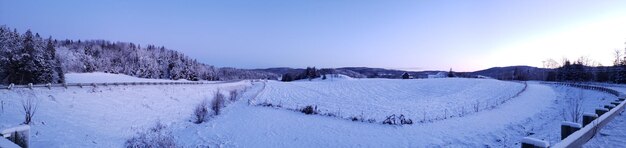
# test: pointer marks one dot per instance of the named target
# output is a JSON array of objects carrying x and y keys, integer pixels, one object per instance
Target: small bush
[
  {"x": 397, "y": 120},
  {"x": 217, "y": 103},
  {"x": 30, "y": 107},
  {"x": 201, "y": 112},
  {"x": 234, "y": 94},
  {"x": 266, "y": 104},
  {"x": 157, "y": 137},
  {"x": 309, "y": 110}
]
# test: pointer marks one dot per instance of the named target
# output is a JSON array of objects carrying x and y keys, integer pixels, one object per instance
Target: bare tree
[
  {"x": 550, "y": 63},
  {"x": 573, "y": 110},
  {"x": 618, "y": 57}
]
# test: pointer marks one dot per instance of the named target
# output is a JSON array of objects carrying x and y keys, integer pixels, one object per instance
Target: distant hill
[
  {"x": 507, "y": 73},
  {"x": 356, "y": 72}
]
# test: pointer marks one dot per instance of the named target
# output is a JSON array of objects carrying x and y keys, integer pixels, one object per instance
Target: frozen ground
[{"x": 107, "y": 116}]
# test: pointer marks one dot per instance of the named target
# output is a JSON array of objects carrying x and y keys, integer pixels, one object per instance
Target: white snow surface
[
  {"x": 106, "y": 116},
  {"x": 100, "y": 77},
  {"x": 423, "y": 99},
  {"x": 103, "y": 116}
]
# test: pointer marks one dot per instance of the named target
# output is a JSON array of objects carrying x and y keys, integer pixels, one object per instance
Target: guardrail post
[
  {"x": 528, "y": 142},
  {"x": 567, "y": 128},
  {"x": 30, "y": 85},
  {"x": 11, "y": 86},
  {"x": 19, "y": 135},
  {"x": 588, "y": 118},
  {"x": 49, "y": 86},
  {"x": 610, "y": 106},
  {"x": 615, "y": 103},
  {"x": 601, "y": 111}
]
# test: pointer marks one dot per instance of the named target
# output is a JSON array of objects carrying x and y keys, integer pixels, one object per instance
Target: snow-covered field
[
  {"x": 103, "y": 116},
  {"x": 422, "y": 99},
  {"x": 106, "y": 116},
  {"x": 99, "y": 77}
]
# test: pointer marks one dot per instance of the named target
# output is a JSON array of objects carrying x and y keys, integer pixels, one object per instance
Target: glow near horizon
[
  {"x": 422, "y": 35},
  {"x": 596, "y": 41}
]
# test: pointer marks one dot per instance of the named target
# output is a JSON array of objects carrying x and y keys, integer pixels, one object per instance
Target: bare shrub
[
  {"x": 218, "y": 102},
  {"x": 158, "y": 136},
  {"x": 309, "y": 110},
  {"x": 234, "y": 94},
  {"x": 573, "y": 108},
  {"x": 30, "y": 107},
  {"x": 397, "y": 120},
  {"x": 201, "y": 112},
  {"x": 476, "y": 106}
]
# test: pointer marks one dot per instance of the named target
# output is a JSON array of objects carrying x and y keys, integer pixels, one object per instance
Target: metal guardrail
[
  {"x": 66, "y": 85},
  {"x": 589, "y": 87},
  {"x": 581, "y": 136}
]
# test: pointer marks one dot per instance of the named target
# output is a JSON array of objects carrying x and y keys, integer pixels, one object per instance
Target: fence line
[
  {"x": 81, "y": 85},
  {"x": 581, "y": 134}
]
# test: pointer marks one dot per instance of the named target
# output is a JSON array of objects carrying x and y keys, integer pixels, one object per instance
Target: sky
[{"x": 407, "y": 35}]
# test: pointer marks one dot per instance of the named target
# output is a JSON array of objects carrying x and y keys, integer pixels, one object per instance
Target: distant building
[
  {"x": 438, "y": 75},
  {"x": 406, "y": 75}
]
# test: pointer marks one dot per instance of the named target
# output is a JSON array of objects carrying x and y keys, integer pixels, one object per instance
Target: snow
[
  {"x": 535, "y": 142},
  {"x": 591, "y": 115},
  {"x": 423, "y": 99},
  {"x": 100, "y": 77},
  {"x": 5, "y": 143},
  {"x": 571, "y": 124},
  {"x": 7, "y": 132},
  {"x": 280, "y": 128},
  {"x": 106, "y": 116}
]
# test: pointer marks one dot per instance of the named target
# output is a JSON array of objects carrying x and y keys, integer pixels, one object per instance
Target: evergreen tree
[{"x": 451, "y": 73}]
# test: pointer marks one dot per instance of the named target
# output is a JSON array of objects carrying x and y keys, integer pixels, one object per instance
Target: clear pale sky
[{"x": 414, "y": 34}]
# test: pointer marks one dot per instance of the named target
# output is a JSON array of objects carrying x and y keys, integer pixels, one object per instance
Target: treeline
[
  {"x": 309, "y": 73},
  {"x": 581, "y": 71},
  {"x": 37, "y": 58},
  {"x": 27, "y": 58}
]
